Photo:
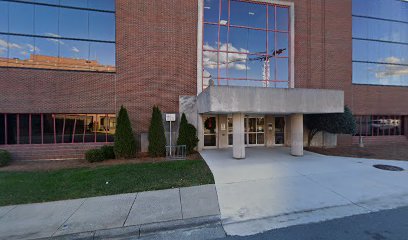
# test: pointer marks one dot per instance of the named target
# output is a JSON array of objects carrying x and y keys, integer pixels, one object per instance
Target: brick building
[{"x": 244, "y": 72}]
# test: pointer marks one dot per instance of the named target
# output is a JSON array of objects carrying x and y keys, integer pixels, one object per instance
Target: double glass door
[{"x": 254, "y": 131}]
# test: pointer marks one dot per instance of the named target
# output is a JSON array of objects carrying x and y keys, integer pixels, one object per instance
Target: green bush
[
  {"x": 157, "y": 139},
  {"x": 187, "y": 135},
  {"x": 125, "y": 144},
  {"x": 336, "y": 123},
  {"x": 108, "y": 152},
  {"x": 5, "y": 158},
  {"x": 94, "y": 155}
]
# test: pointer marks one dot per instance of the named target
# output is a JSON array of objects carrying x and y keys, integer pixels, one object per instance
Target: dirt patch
[
  {"x": 397, "y": 151},
  {"x": 45, "y": 165}
]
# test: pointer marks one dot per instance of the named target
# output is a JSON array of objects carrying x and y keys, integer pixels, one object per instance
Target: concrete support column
[
  {"x": 200, "y": 132},
  {"x": 296, "y": 124},
  {"x": 238, "y": 135}
]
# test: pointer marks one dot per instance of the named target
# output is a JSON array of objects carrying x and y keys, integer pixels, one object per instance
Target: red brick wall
[
  {"x": 380, "y": 100},
  {"x": 42, "y": 91},
  {"x": 323, "y": 52},
  {"x": 157, "y": 55}
]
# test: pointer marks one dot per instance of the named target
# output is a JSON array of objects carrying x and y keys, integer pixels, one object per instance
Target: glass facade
[
  {"x": 246, "y": 44},
  {"x": 58, "y": 34},
  {"x": 380, "y": 42},
  {"x": 56, "y": 128},
  {"x": 380, "y": 125}
]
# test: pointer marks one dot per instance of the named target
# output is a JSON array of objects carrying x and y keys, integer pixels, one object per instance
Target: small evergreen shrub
[
  {"x": 125, "y": 144},
  {"x": 5, "y": 158},
  {"x": 94, "y": 155},
  {"x": 157, "y": 138},
  {"x": 108, "y": 152},
  {"x": 187, "y": 135}
]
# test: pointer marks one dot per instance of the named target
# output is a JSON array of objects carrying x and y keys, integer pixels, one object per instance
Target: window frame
[
  {"x": 270, "y": 4},
  {"x": 100, "y": 67}
]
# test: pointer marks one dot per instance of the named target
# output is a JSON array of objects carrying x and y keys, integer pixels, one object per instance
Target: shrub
[
  {"x": 125, "y": 144},
  {"x": 157, "y": 139},
  {"x": 5, "y": 158},
  {"x": 341, "y": 123},
  {"x": 94, "y": 155},
  {"x": 187, "y": 135},
  {"x": 108, "y": 152}
]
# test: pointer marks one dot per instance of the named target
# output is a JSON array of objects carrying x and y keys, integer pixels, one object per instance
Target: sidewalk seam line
[
  {"x": 181, "y": 205},
  {"x": 130, "y": 209},
  {"x": 69, "y": 217}
]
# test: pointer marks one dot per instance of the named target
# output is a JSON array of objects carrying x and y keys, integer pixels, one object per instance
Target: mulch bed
[
  {"x": 45, "y": 165},
  {"x": 397, "y": 151}
]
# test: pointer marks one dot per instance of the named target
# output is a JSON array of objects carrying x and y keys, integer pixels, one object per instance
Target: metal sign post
[{"x": 170, "y": 118}]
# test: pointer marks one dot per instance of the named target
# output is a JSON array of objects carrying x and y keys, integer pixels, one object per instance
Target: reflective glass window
[
  {"x": 54, "y": 2},
  {"x": 4, "y": 46},
  {"x": 4, "y": 17},
  {"x": 46, "y": 52},
  {"x": 282, "y": 19},
  {"x": 46, "y": 21},
  {"x": 103, "y": 54},
  {"x": 107, "y": 5},
  {"x": 211, "y": 11},
  {"x": 21, "y": 18},
  {"x": 20, "y": 48},
  {"x": 54, "y": 34},
  {"x": 73, "y": 23},
  {"x": 245, "y": 52},
  {"x": 248, "y": 14},
  {"x": 102, "y": 26},
  {"x": 75, "y": 50},
  {"x": 74, "y": 3},
  {"x": 380, "y": 42}
]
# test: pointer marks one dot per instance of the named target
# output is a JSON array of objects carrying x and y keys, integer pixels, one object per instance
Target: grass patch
[{"x": 31, "y": 187}]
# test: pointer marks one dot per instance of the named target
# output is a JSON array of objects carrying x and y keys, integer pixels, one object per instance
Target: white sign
[{"x": 170, "y": 117}]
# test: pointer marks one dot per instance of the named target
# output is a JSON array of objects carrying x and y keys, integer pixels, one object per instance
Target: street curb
[{"x": 142, "y": 230}]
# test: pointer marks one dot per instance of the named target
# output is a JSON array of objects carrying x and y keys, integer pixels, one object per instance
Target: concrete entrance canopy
[
  {"x": 258, "y": 100},
  {"x": 295, "y": 102}
]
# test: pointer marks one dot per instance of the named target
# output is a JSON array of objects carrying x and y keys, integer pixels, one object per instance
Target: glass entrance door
[
  {"x": 210, "y": 131},
  {"x": 279, "y": 130},
  {"x": 254, "y": 131}
]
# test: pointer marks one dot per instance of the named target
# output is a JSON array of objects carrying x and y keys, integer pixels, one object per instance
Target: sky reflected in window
[
  {"x": 245, "y": 44},
  {"x": 380, "y": 42},
  {"x": 58, "y": 34}
]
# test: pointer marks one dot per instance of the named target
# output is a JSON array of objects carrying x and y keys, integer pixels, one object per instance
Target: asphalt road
[{"x": 384, "y": 225}]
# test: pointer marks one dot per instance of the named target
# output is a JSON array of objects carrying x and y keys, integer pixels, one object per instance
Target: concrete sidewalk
[
  {"x": 126, "y": 215},
  {"x": 271, "y": 189}
]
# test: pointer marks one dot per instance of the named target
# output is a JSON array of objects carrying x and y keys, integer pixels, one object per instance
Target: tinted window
[
  {"x": 57, "y": 34},
  {"x": 244, "y": 45},
  {"x": 4, "y": 16},
  {"x": 102, "y": 26},
  {"x": 107, "y": 5},
  {"x": 45, "y": 20},
  {"x": 74, "y": 3},
  {"x": 21, "y": 18},
  {"x": 380, "y": 42},
  {"x": 73, "y": 23}
]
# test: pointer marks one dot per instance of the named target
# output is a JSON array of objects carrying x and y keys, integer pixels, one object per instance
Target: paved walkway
[
  {"x": 133, "y": 214},
  {"x": 271, "y": 189}
]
